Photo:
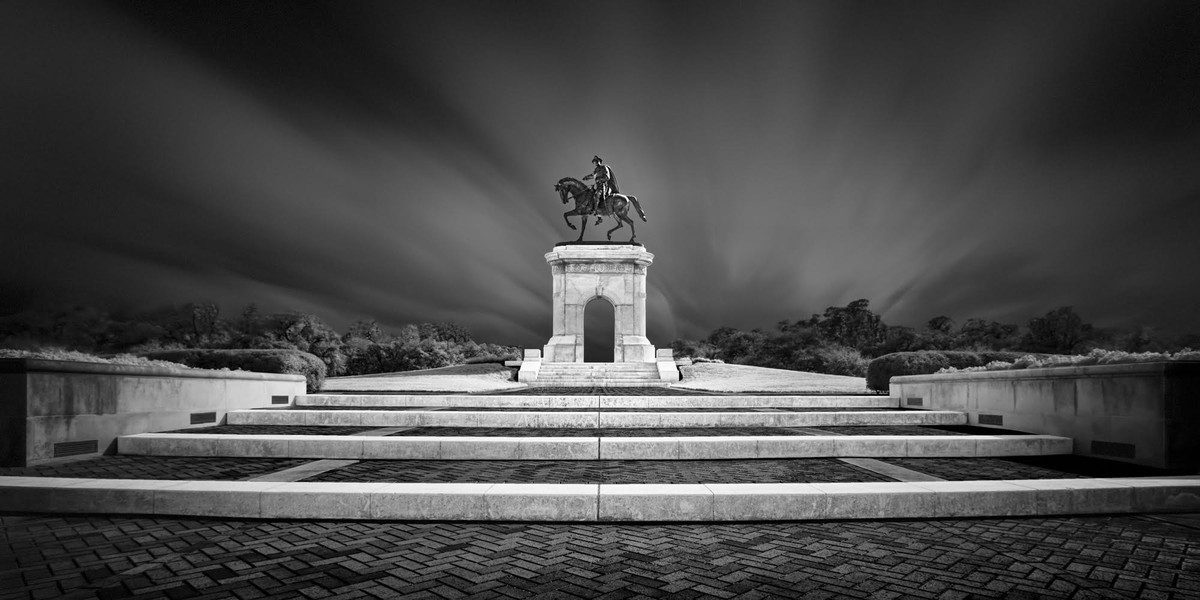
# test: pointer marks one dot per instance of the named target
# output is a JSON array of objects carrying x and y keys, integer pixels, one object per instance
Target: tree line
[
  {"x": 366, "y": 347},
  {"x": 843, "y": 339}
]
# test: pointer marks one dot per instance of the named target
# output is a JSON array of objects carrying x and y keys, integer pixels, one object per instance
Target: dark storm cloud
[{"x": 395, "y": 160}]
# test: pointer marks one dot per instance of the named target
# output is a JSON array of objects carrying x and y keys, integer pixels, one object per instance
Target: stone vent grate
[
  {"x": 1116, "y": 449},
  {"x": 204, "y": 417},
  {"x": 76, "y": 448},
  {"x": 280, "y": 399},
  {"x": 914, "y": 402},
  {"x": 991, "y": 420}
]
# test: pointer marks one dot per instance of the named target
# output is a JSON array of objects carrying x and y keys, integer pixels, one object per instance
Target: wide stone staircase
[
  {"x": 622, "y": 454},
  {"x": 598, "y": 375}
]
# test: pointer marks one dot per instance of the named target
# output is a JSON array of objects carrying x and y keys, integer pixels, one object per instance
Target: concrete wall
[
  {"x": 45, "y": 403},
  {"x": 1147, "y": 413}
]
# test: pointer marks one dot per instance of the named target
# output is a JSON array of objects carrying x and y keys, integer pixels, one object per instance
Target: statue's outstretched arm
[{"x": 588, "y": 176}]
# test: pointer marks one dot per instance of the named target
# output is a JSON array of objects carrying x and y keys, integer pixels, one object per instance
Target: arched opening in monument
[{"x": 599, "y": 331}]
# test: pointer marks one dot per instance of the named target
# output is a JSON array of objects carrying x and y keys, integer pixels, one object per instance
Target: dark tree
[
  {"x": 981, "y": 333},
  {"x": 854, "y": 326},
  {"x": 1060, "y": 331}
]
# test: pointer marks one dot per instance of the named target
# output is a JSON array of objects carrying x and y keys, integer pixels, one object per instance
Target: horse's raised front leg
[
  {"x": 583, "y": 226},
  {"x": 571, "y": 213}
]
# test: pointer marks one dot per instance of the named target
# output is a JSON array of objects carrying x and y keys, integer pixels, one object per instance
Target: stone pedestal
[{"x": 584, "y": 272}]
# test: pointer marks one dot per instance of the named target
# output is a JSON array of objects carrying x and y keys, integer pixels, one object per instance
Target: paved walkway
[
  {"x": 1079, "y": 557},
  {"x": 802, "y": 470}
]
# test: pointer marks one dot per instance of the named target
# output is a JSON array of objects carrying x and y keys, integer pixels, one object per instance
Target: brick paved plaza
[{"x": 1078, "y": 557}]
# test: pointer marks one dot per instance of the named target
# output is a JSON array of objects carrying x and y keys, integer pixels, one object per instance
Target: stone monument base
[
  {"x": 569, "y": 348},
  {"x": 607, "y": 272},
  {"x": 615, "y": 273}
]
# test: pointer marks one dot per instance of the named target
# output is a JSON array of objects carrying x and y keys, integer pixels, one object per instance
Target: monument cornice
[{"x": 593, "y": 254}]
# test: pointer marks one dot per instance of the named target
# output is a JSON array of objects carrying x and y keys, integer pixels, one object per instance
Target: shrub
[
  {"x": 399, "y": 355},
  {"x": 881, "y": 370},
  {"x": 1097, "y": 356},
  {"x": 842, "y": 360},
  {"x": 74, "y": 356},
  {"x": 830, "y": 358},
  {"x": 475, "y": 353},
  {"x": 258, "y": 361},
  {"x": 487, "y": 358}
]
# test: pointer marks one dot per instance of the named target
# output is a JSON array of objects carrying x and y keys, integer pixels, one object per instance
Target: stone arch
[{"x": 599, "y": 330}]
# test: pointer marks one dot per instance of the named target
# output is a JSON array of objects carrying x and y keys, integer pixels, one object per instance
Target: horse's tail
[{"x": 638, "y": 206}]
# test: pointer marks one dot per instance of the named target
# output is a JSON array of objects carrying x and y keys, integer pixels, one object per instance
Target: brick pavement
[
  {"x": 809, "y": 470},
  {"x": 278, "y": 429},
  {"x": 974, "y": 469},
  {"x": 890, "y": 430},
  {"x": 1026, "y": 467},
  {"x": 804, "y": 470},
  {"x": 571, "y": 431},
  {"x": 157, "y": 467},
  {"x": 120, "y": 557}
]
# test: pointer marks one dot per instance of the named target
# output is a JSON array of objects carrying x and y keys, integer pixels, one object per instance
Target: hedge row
[
  {"x": 881, "y": 370},
  {"x": 259, "y": 361}
]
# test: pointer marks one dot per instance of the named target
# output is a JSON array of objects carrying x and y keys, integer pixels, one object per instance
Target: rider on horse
[
  {"x": 606, "y": 182},
  {"x": 600, "y": 200}
]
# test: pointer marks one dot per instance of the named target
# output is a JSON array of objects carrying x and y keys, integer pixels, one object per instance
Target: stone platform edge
[
  {"x": 600, "y": 502},
  {"x": 586, "y": 401},
  {"x": 580, "y": 419},
  {"x": 586, "y": 448}
]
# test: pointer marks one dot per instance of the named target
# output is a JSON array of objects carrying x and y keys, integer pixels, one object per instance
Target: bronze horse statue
[{"x": 587, "y": 204}]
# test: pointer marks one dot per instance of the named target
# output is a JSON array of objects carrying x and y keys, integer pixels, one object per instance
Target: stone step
[
  {"x": 611, "y": 367},
  {"x": 598, "y": 375},
  {"x": 592, "y": 401},
  {"x": 535, "y": 419},
  {"x": 598, "y": 372},
  {"x": 598, "y": 383},
  {"x": 601, "y": 502},
  {"x": 598, "y": 366},
  {"x": 592, "y": 376},
  {"x": 588, "y": 448},
  {"x": 650, "y": 369}
]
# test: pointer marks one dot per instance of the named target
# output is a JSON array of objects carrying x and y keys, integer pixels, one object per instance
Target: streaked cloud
[{"x": 395, "y": 160}]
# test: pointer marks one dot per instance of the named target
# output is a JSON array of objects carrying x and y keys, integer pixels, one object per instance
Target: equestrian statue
[{"x": 602, "y": 200}]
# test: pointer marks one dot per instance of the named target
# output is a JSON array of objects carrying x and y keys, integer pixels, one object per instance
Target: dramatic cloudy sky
[{"x": 396, "y": 159}]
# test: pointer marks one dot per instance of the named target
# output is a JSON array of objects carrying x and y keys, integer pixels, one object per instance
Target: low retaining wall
[
  {"x": 51, "y": 409},
  {"x": 1144, "y": 413}
]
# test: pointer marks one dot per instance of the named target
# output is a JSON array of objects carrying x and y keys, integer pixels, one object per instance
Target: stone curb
[
  {"x": 594, "y": 502},
  {"x": 591, "y": 420},
  {"x": 588, "y": 448},
  {"x": 593, "y": 401}
]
